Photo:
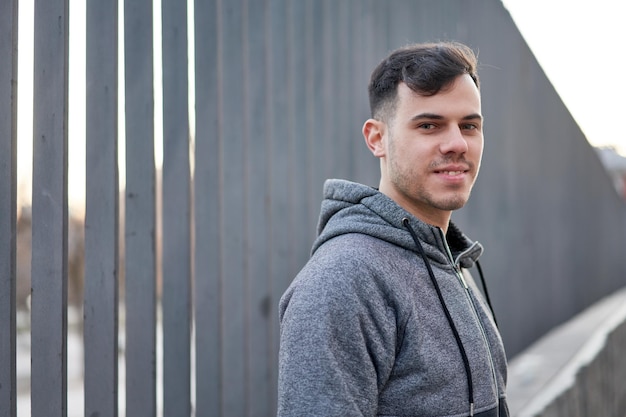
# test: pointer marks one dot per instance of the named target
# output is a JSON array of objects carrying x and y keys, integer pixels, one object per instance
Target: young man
[{"x": 384, "y": 320}]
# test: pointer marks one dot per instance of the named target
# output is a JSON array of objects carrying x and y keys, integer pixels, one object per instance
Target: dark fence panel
[
  {"x": 257, "y": 194},
  {"x": 277, "y": 167},
  {"x": 176, "y": 218},
  {"x": 50, "y": 211},
  {"x": 140, "y": 280},
  {"x": 207, "y": 215},
  {"x": 232, "y": 186},
  {"x": 100, "y": 307},
  {"x": 8, "y": 207}
]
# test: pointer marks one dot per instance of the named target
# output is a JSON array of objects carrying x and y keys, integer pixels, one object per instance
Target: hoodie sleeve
[{"x": 337, "y": 343}]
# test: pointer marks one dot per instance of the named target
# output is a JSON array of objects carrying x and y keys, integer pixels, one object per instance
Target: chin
[{"x": 453, "y": 203}]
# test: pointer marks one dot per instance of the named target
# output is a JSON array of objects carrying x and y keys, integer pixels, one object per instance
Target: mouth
[
  {"x": 452, "y": 170},
  {"x": 451, "y": 173}
]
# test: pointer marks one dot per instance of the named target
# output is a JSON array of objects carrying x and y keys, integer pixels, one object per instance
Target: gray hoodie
[{"x": 364, "y": 331}]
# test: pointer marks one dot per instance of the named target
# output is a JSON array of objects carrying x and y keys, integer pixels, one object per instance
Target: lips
[
  {"x": 451, "y": 173},
  {"x": 452, "y": 170},
  {"x": 455, "y": 173}
]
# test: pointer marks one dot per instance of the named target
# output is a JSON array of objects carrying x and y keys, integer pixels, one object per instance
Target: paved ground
[{"x": 549, "y": 366}]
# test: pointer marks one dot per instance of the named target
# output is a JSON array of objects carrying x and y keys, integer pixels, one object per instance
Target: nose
[{"x": 454, "y": 142}]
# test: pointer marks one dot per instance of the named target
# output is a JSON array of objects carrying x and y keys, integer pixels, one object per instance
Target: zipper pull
[
  {"x": 457, "y": 269},
  {"x": 461, "y": 277}
]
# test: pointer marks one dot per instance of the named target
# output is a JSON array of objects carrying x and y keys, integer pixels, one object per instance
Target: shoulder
[
  {"x": 353, "y": 259},
  {"x": 350, "y": 271},
  {"x": 362, "y": 250}
]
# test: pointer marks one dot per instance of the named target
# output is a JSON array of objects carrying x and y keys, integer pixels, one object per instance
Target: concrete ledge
[{"x": 577, "y": 369}]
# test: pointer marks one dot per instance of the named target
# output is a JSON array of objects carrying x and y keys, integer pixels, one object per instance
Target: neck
[{"x": 427, "y": 214}]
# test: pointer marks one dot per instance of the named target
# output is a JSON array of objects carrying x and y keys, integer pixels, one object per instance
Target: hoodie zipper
[{"x": 459, "y": 275}]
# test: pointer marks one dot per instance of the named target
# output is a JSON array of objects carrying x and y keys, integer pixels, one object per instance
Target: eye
[
  {"x": 469, "y": 126},
  {"x": 427, "y": 126}
]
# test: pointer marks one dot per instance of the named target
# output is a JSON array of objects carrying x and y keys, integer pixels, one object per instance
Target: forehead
[{"x": 461, "y": 98}]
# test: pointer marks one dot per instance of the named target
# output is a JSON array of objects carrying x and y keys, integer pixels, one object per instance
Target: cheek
[{"x": 476, "y": 150}]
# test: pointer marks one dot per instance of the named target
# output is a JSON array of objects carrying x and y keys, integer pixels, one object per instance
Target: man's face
[{"x": 431, "y": 149}]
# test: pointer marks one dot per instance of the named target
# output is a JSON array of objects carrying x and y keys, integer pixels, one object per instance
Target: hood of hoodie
[{"x": 350, "y": 207}]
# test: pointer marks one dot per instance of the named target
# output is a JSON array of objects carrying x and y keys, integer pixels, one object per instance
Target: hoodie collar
[{"x": 349, "y": 207}]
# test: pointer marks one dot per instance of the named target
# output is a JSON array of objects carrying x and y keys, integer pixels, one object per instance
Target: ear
[{"x": 374, "y": 132}]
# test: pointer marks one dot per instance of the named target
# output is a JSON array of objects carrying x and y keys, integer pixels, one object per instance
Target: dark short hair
[{"x": 425, "y": 68}]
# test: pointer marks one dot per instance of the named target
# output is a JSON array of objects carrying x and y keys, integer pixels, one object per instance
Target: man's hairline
[{"x": 388, "y": 107}]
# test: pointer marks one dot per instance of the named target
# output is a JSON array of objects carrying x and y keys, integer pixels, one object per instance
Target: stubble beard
[
  {"x": 406, "y": 181},
  {"x": 423, "y": 197}
]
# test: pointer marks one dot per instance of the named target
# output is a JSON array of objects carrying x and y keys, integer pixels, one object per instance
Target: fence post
[
  {"x": 207, "y": 300},
  {"x": 49, "y": 248},
  {"x": 8, "y": 205},
  {"x": 176, "y": 198},
  {"x": 259, "y": 388},
  {"x": 233, "y": 226},
  {"x": 140, "y": 211},
  {"x": 101, "y": 215}
]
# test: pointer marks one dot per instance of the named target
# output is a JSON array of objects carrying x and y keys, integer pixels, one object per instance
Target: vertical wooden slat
[
  {"x": 259, "y": 392},
  {"x": 49, "y": 247},
  {"x": 299, "y": 166},
  {"x": 315, "y": 101},
  {"x": 176, "y": 295},
  {"x": 278, "y": 165},
  {"x": 342, "y": 70},
  {"x": 232, "y": 191},
  {"x": 207, "y": 267},
  {"x": 313, "y": 185},
  {"x": 330, "y": 95},
  {"x": 363, "y": 61},
  {"x": 101, "y": 216},
  {"x": 8, "y": 204},
  {"x": 140, "y": 217}
]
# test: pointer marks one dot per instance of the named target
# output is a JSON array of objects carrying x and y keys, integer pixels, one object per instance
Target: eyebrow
[{"x": 434, "y": 116}]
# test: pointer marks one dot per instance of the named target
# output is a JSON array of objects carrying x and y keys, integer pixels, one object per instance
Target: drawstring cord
[
  {"x": 484, "y": 284},
  {"x": 457, "y": 337}
]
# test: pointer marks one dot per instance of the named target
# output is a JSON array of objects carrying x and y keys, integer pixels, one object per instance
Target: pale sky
[
  {"x": 578, "y": 43},
  {"x": 580, "y": 46}
]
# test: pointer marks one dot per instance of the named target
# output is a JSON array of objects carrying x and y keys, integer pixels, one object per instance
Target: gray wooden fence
[
  {"x": 49, "y": 209},
  {"x": 280, "y": 95},
  {"x": 8, "y": 206},
  {"x": 100, "y": 307}
]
